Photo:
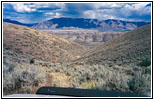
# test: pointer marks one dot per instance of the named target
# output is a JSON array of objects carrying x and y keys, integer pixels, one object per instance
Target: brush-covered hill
[
  {"x": 131, "y": 47},
  {"x": 38, "y": 44},
  {"x": 92, "y": 70}
]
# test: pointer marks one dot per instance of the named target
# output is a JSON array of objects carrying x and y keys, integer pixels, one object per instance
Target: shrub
[
  {"x": 92, "y": 85},
  {"x": 23, "y": 78},
  {"x": 32, "y": 61},
  {"x": 140, "y": 84},
  {"x": 145, "y": 63},
  {"x": 114, "y": 81}
]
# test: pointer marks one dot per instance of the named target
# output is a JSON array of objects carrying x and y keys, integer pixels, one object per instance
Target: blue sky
[{"x": 38, "y": 12}]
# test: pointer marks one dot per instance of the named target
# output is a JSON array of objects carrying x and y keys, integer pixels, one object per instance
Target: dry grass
[
  {"x": 27, "y": 78},
  {"x": 131, "y": 47},
  {"x": 58, "y": 80},
  {"x": 22, "y": 78},
  {"x": 39, "y": 44},
  {"x": 141, "y": 83},
  {"x": 119, "y": 78}
]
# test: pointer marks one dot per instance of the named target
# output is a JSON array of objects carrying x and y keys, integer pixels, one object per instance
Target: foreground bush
[
  {"x": 140, "y": 84},
  {"x": 145, "y": 63},
  {"x": 32, "y": 61},
  {"x": 21, "y": 78},
  {"x": 114, "y": 81}
]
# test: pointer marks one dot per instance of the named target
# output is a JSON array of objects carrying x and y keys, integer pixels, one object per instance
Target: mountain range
[
  {"x": 18, "y": 23},
  {"x": 77, "y": 23}
]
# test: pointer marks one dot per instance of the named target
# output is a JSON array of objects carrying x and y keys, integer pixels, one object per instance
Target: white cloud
[
  {"x": 139, "y": 8},
  {"x": 106, "y": 5},
  {"x": 134, "y": 6},
  {"x": 90, "y": 13},
  {"x": 21, "y": 7},
  {"x": 51, "y": 5},
  {"x": 29, "y": 7},
  {"x": 99, "y": 14},
  {"x": 122, "y": 11},
  {"x": 49, "y": 13}
]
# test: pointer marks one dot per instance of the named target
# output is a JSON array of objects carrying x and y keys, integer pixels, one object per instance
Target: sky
[{"x": 39, "y": 12}]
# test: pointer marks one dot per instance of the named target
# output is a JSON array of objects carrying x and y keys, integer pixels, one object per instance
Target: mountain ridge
[
  {"x": 77, "y": 23},
  {"x": 102, "y": 25},
  {"x": 18, "y": 23}
]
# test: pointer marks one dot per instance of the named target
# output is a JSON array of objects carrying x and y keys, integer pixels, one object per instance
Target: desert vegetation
[
  {"x": 39, "y": 44},
  {"x": 122, "y": 64},
  {"x": 27, "y": 78},
  {"x": 21, "y": 78}
]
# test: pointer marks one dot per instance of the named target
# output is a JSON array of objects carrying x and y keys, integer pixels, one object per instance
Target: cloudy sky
[{"x": 38, "y": 12}]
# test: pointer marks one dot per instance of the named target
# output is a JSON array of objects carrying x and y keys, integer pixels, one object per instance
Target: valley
[
  {"x": 121, "y": 64},
  {"x": 99, "y": 48},
  {"x": 88, "y": 37},
  {"x": 89, "y": 32},
  {"x": 121, "y": 61}
]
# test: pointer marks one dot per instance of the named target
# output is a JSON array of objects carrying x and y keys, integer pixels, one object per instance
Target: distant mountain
[
  {"x": 131, "y": 47},
  {"x": 77, "y": 23},
  {"x": 18, "y": 23},
  {"x": 102, "y": 25},
  {"x": 39, "y": 45}
]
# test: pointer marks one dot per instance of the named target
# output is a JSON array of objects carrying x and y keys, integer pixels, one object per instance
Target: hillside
[
  {"x": 106, "y": 67},
  {"x": 77, "y": 23},
  {"x": 131, "y": 47},
  {"x": 39, "y": 44}
]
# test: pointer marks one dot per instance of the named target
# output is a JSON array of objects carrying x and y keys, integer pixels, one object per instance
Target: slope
[
  {"x": 39, "y": 45},
  {"x": 131, "y": 47}
]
